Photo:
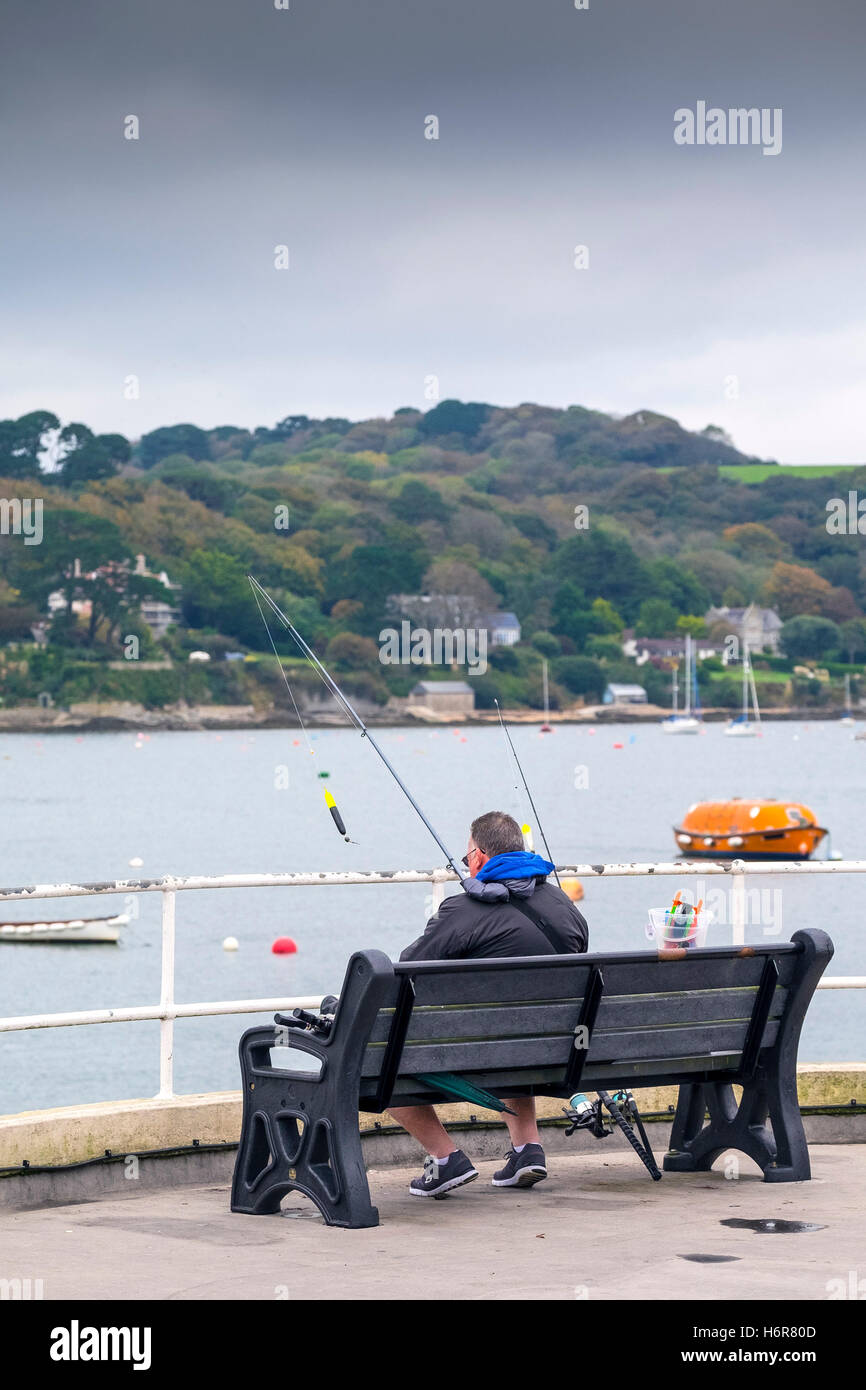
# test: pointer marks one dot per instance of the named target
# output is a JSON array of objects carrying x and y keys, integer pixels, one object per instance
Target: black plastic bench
[{"x": 705, "y": 1020}]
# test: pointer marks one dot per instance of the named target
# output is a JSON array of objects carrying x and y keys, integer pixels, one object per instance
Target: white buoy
[
  {"x": 230, "y": 943},
  {"x": 136, "y": 863}
]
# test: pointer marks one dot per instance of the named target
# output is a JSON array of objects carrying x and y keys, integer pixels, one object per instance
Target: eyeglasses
[{"x": 465, "y": 859}]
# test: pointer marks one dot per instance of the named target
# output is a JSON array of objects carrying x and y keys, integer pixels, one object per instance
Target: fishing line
[
  {"x": 356, "y": 719},
  {"x": 526, "y": 829},
  {"x": 329, "y": 800},
  {"x": 504, "y": 727}
]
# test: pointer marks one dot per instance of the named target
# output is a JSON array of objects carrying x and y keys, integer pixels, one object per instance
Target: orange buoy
[
  {"x": 284, "y": 946},
  {"x": 617, "y": 745},
  {"x": 572, "y": 888}
]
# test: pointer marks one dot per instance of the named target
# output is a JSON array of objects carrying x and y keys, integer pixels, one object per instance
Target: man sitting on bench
[{"x": 507, "y": 908}]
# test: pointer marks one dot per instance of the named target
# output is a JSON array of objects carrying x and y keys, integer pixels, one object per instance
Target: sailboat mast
[
  {"x": 754, "y": 694},
  {"x": 687, "y": 707},
  {"x": 546, "y": 692}
]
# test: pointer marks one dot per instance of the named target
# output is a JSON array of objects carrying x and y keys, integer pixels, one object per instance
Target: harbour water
[{"x": 81, "y": 807}]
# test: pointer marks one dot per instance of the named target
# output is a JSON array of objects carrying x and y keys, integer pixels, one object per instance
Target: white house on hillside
[
  {"x": 504, "y": 628},
  {"x": 759, "y": 627}
]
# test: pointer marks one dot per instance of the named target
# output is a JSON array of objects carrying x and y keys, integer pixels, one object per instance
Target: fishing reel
[
  {"x": 587, "y": 1114},
  {"x": 622, "y": 1107},
  {"x": 306, "y": 1022},
  {"x": 309, "y": 1022}
]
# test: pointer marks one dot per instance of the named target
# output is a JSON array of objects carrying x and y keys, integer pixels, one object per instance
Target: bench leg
[
  {"x": 286, "y": 1152},
  {"x": 780, "y": 1152},
  {"x": 298, "y": 1135}
]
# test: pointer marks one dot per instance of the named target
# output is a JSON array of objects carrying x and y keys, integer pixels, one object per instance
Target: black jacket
[{"x": 473, "y": 924}]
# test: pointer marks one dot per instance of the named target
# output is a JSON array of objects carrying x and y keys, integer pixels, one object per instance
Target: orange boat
[{"x": 740, "y": 829}]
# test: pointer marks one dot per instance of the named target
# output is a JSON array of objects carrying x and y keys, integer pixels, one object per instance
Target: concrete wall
[{"x": 72, "y": 1141}]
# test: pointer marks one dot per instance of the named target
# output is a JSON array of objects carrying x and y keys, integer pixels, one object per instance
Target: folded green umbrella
[{"x": 464, "y": 1090}]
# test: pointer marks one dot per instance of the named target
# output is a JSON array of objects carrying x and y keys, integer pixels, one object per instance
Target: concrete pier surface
[{"x": 598, "y": 1228}]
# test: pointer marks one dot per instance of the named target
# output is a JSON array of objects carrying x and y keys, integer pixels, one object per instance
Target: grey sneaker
[
  {"x": 440, "y": 1178},
  {"x": 522, "y": 1169}
]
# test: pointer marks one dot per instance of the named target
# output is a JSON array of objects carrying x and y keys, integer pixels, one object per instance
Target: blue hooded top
[{"x": 514, "y": 872}]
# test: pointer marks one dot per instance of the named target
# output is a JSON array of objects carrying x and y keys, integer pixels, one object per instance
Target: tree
[
  {"x": 581, "y": 675},
  {"x": 172, "y": 439},
  {"x": 87, "y": 457},
  {"x": 795, "y": 589},
  {"x": 854, "y": 638},
  {"x": 200, "y": 481},
  {"x": 454, "y": 417},
  {"x": 290, "y": 425},
  {"x": 840, "y": 605},
  {"x": 656, "y": 618},
  {"x": 417, "y": 502},
  {"x": 72, "y": 536},
  {"x": 459, "y": 595},
  {"x": 16, "y": 618},
  {"x": 546, "y": 643},
  {"x": 603, "y": 566},
  {"x": 372, "y": 572},
  {"x": 753, "y": 541},
  {"x": 87, "y": 559},
  {"x": 692, "y": 624},
  {"x": 571, "y": 614},
  {"x": 22, "y": 441},
  {"x": 354, "y": 652},
  {"x": 809, "y": 638},
  {"x": 216, "y": 593},
  {"x": 607, "y": 619},
  {"x": 673, "y": 581}
]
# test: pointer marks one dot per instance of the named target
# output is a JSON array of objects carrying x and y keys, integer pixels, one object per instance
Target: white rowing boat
[{"x": 71, "y": 930}]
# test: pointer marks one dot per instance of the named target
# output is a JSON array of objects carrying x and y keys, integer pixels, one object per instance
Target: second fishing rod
[
  {"x": 349, "y": 710},
  {"x": 504, "y": 727}
]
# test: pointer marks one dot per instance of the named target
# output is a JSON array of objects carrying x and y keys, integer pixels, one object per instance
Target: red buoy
[{"x": 284, "y": 946}]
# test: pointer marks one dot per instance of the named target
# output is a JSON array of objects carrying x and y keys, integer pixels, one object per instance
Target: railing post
[
  {"x": 438, "y": 892},
  {"x": 738, "y": 903},
  {"x": 166, "y": 999}
]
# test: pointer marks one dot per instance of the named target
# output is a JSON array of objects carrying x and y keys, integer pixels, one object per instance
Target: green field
[{"x": 757, "y": 472}]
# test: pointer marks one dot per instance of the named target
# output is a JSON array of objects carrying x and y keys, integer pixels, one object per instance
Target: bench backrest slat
[
  {"x": 500, "y": 986},
  {"x": 434, "y": 1023}
]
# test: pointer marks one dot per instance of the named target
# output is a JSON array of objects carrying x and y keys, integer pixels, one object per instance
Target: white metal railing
[{"x": 168, "y": 1010}]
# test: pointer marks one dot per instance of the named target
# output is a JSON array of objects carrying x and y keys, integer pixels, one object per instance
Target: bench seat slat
[
  {"x": 463, "y": 1057},
  {"x": 522, "y": 1081}
]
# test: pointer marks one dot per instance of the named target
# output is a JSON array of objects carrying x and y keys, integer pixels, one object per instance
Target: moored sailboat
[
  {"x": 684, "y": 723},
  {"x": 743, "y": 726},
  {"x": 847, "y": 716},
  {"x": 546, "y": 727}
]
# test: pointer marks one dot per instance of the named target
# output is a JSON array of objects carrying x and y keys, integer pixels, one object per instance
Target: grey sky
[{"x": 412, "y": 257}]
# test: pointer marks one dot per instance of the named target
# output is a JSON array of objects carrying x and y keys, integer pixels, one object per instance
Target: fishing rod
[
  {"x": 504, "y": 727},
  {"x": 349, "y": 710},
  {"x": 329, "y": 800}
]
